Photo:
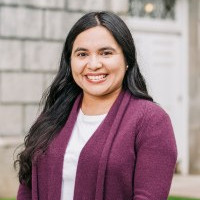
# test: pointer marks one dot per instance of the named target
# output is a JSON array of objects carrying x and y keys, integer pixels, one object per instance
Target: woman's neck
[{"x": 98, "y": 105}]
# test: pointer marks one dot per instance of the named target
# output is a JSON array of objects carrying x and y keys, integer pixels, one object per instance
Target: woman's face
[{"x": 97, "y": 62}]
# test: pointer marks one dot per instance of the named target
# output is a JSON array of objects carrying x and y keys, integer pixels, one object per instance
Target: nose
[{"x": 94, "y": 63}]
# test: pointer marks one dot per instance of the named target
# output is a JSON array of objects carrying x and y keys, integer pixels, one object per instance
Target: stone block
[
  {"x": 10, "y": 2},
  {"x": 11, "y": 121},
  {"x": 199, "y": 9},
  {"x": 58, "y": 24},
  {"x": 194, "y": 112},
  {"x": 21, "y": 22},
  {"x": 46, "y": 3},
  {"x": 86, "y": 5},
  {"x": 36, "y": 3},
  {"x": 31, "y": 113},
  {"x": 198, "y": 38},
  {"x": 198, "y": 81},
  {"x": 194, "y": 149},
  {"x": 119, "y": 6},
  {"x": 11, "y": 55},
  {"x": 21, "y": 87},
  {"x": 48, "y": 79},
  {"x": 8, "y": 176},
  {"x": 42, "y": 56}
]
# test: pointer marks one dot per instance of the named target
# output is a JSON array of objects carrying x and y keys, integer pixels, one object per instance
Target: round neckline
[{"x": 90, "y": 118}]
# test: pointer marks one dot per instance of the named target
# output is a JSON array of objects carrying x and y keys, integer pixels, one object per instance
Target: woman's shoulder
[
  {"x": 147, "y": 109},
  {"x": 152, "y": 119}
]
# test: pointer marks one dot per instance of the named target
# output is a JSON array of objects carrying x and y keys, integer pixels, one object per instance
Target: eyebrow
[
  {"x": 80, "y": 49},
  {"x": 101, "y": 49}
]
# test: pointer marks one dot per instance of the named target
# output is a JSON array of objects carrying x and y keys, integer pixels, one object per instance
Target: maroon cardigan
[{"x": 131, "y": 156}]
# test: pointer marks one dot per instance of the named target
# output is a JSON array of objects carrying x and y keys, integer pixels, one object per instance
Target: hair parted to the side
[{"x": 59, "y": 98}]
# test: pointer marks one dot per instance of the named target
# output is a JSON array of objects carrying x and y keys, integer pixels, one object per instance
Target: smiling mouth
[{"x": 97, "y": 77}]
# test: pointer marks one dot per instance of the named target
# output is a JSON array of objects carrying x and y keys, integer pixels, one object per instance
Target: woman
[{"x": 100, "y": 135}]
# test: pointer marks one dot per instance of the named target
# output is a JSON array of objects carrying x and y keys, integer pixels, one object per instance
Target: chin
[{"x": 97, "y": 93}]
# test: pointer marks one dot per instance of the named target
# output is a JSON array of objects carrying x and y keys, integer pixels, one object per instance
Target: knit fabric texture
[{"x": 131, "y": 156}]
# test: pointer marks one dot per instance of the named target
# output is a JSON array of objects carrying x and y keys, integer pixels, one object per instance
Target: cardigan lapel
[
  {"x": 93, "y": 159},
  {"x": 112, "y": 132}
]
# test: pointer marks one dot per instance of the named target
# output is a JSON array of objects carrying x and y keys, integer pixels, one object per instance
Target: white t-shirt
[{"x": 84, "y": 127}]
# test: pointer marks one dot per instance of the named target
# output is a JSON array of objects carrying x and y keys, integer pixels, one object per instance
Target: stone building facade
[
  {"x": 32, "y": 33},
  {"x": 194, "y": 86}
]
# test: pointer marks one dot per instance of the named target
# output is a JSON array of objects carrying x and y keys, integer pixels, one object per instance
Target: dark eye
[
  {"x": 81, "y": 54},
  {"x": 106, "y": 53}
]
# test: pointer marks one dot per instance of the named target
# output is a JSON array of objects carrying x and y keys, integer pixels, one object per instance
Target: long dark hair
[{"x": 59, "y": 98}]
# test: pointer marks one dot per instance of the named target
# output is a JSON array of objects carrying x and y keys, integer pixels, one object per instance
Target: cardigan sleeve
[
  {"x": 24, "y": 193},
  {"x": 156, "y": 156}
]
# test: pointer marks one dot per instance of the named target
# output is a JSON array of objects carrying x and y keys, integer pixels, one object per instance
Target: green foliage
[
  {"x": 180, "y": 198},
  {"x": 7, "y": 199}
]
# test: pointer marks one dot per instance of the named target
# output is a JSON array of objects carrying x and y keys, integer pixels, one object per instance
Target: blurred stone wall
[
  {"x": 194, "y": 85},
  {"x": 32, "y": 33}
]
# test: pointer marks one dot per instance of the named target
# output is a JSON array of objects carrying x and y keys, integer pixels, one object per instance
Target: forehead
[{"x": 95, "y": 37}]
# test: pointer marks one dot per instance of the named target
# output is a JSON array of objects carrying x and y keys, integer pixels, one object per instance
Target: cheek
[
  {"x": 76, "y": 77},
  {"x": 118, "y": 71},
  {"x": 117, "y": 66},
  {"x": 77, "y": 68}
]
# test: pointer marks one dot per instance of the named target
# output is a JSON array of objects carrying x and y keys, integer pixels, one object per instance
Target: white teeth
[{"x": 100, "y": 77}]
